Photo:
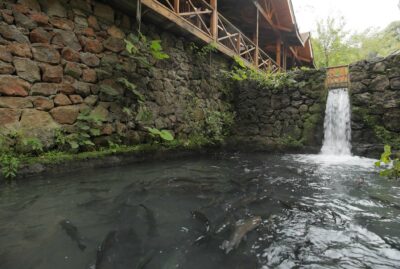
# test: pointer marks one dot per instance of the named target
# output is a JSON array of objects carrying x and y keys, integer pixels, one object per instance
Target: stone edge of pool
[{"x": 72, "y": 163}]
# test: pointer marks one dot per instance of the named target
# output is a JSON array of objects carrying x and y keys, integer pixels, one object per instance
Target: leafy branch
[{"x": 163, "y": 134}]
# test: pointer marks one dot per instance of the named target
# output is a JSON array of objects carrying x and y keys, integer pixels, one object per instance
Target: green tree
[
  {"x": 374, "y": 42},
  {"x": 330, "y": 45},
  {"x": 335, "y": 46}
]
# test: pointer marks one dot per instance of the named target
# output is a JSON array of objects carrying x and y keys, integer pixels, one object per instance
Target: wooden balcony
[{"x": 201, "y": 18}]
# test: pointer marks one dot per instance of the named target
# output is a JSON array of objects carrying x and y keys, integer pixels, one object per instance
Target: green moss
[
  {"x": 290, "y": 142},
  {"x": 54, "y": 157},
  {"x": 373, "y": 122},
  {"x": 309, "y": 128}
]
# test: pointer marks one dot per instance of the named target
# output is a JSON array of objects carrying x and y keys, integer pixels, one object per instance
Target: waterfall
[{"x": 337, "y": 124}]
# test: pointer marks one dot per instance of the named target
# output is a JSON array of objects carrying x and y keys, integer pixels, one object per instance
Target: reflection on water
[{"x": 269, "y": 211}]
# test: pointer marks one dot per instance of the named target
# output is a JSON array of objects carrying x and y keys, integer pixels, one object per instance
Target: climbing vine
[{"x": 139, "y": 45}]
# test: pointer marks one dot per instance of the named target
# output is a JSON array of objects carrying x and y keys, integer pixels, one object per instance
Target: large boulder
[
  {"x": 392, "y": 120},
  {"x": 65, "y": 114},
  {"x": 6, "y": 68},
  {"x": 9, "y": 118},
  {"x": 54, "y": 8},
  {"x": 15, "y": 102},
  {"x": 380, "y": 83},
  {"x": 27, "y": 69},
  {"x": 45, "y": 53},
  {"x": 66, "y": 39},
  {"x": 395, "y": 83},
  {"x": 39, "y": 124},
  {"x": 104, "y": 11},
  {"x": 11, "y": 32},
  {"x": 13, "y": 86},
  {"x": 30, "y": 123}
]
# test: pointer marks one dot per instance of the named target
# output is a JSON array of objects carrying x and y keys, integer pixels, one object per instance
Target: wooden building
[{"x": 263, "y": 33}]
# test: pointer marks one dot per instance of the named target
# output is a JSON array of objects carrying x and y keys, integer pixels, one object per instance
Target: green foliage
[
  {"x": 330, "y": 46},
  {"x": 241, "y": 72},
  {"x": 132, "y": 88},
  {"x": 387, "y": 136},
  {"x": 144, "y": 115},
  {"x": 393, "y": 170},
  {"x": 289, "y": 141},
  {"x": 333, "y": 45},
  {"x": 33, "y": 144},
  {"x": 374, "y": 42},
  {"x": 114, "y": 147},
  {"x": 218, "y": 125},
  {"x": 163, "y": 134},
  {"x": 4, "y": 144},
  {"x": 204, "y": 51},
  {"x": 207, "y": 49},
  {"x": 157, "y": 51},
  {"x": 9, "y": 165},
  {"x": 384, "y": 135},
  {"x": 127, "y": 111},
  {"x": 138, "y": 47},
  {"x": 86, "y": 127}
]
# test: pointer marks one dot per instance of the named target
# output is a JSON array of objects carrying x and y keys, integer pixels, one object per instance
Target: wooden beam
[
  {"x": 214, "y": 19},
  {"x": 227, "y": 36},
  {"x": 278, "y": 52},
  {"x": 238, "y": 42},
  {"x": 298, "y": 57},
  {"x": 176, "y": 5},
  {"x": 284, "y": 66},
  {"x": 256, "y": 52},
  {"x": 195, "y": 12},
  {"x": 188, "y": 26},
  {"x": 269, "y": 19}
]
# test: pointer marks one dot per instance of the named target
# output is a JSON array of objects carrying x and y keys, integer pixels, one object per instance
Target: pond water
[{"x": 224, "y": 211}]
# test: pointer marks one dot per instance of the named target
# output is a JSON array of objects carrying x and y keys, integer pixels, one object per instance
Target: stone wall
[
  {"x": 287, "y": 117},
  {"x": 375, "y": 96},
  {"x": 60, "y": 59}
]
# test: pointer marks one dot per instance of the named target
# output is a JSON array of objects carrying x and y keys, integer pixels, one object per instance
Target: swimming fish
[
  {"x": 241, "y": 229},
  {"x": 151, "y": 221},
  {"x": 204, "y": 220},
  {"x": 120, "y": 247},
  {"x": 73, "y": 233}
]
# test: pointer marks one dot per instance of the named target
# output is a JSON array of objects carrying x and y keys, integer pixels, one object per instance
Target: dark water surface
[{"x": 315, "y": 213}]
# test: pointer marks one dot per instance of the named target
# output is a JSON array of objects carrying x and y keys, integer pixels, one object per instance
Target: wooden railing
[
  {"x": 202, "y": 15},
  {"x": 337, "y": 77}
]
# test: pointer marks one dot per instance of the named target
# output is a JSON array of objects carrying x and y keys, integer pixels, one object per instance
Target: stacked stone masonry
[
  {"x": 287, "y": 116},
  {"x": 375, "y": 96},
  {"x": 60, "y": 58}
]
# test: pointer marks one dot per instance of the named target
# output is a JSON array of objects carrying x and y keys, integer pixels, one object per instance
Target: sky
[{"x": 358, "y": 14}]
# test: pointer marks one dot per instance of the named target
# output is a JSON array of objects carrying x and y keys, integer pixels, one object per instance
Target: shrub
[{"x": 392, "y": 169}]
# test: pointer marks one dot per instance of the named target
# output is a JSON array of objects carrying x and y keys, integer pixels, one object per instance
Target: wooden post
[
  {"x": 214, "y": 19},
  {"x": 239, "y": 40},
  {"x": 284, "y": 57},
  {"x": 176, "y": 6},
  {"x": 278, "y": 52},
  {"x": 256, "y": 41}
]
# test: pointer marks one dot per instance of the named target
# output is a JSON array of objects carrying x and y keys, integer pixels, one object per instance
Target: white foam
[
  {"x": 334, "y": 160},
  {"x": 337, "y": 127}
]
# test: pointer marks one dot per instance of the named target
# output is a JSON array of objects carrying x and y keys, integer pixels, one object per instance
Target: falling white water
[{"x": 337, "y": 124}]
